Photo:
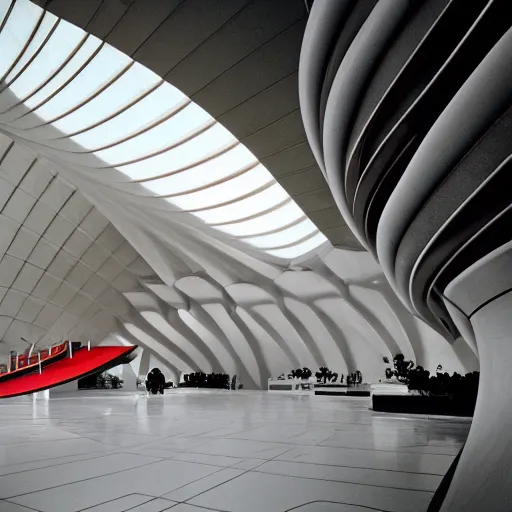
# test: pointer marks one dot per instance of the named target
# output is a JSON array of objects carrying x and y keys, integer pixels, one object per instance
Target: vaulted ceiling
[
  {"x": 195, "y": 223},
  {"x": 240, "y": 63}
]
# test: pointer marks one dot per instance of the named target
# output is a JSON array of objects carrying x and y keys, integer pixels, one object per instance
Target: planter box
[
  {"x": 414, "y": 404},
  {"x": 341, "y": 390},
  {"x": 330, "y": 385},
  {"x": 295, "y": 385}
]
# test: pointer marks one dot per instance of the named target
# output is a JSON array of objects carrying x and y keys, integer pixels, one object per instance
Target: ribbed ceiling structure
[
  {"x": 407, "y": 107},
  {"x": 231, "y": 271},
  {"x": 102, "y": 110},
  {"x": 64, "y": 267},
  {"x": 240, "y": 64}
]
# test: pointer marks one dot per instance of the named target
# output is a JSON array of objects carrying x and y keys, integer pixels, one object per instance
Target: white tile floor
[{"x": 194, "y": 451}]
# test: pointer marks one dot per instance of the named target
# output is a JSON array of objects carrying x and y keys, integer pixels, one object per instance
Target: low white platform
[
  {"x": 292, "y": 385},
  {"x": 389, "y": 388}
]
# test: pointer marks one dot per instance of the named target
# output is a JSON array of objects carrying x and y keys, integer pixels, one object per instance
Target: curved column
[
  {"x": 417, "y": 150},
  {"x": 188, "y": 334},
  {"x": 209, "y": 323},
  {"x": 351, "y": 78},
  {"x": 157, "y": 314},
  {"x": 321, "y": 33},
  {"x": 336, "y": 333},
  {"x": 382, "y": 311},
  {"x": 329, "y": 351},
  {"x": 237, "y": 341},
  {"x": 263, "y": 370},
  {"x": 302, "y": 329},
  {"x": 362, "y": 310},
  {"x": 135, "y": 340},
  {"x": 167, "y": 329},
  {"x": 261, "y": 319},
  {"x": 286, "y": 331},
  {"x": 154, "y": 338},
  {"x": 245, "y": 296},
  {"x": 483, "y": 294},
  {"x": 276, "y": 361}
]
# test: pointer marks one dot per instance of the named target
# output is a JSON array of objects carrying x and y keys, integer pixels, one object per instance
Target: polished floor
[{"x": 194, "y": 451}]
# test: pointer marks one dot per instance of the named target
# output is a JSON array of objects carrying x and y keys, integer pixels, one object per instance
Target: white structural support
[{"x": 158, "y": 222}]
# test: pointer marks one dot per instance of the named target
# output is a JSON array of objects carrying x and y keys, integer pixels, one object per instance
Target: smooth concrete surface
[{"x": 241, "y": 451}]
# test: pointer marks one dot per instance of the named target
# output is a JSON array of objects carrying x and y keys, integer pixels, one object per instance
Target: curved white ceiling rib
[{"x": 126, "y": 116}]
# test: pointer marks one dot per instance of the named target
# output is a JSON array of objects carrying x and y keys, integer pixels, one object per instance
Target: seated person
[{"x": 155, "y": 381}]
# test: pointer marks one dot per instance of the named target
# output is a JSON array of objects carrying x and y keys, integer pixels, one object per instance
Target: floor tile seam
[
  {"x": 336, "y": 447},
  {"x": 84, "y": 480},
  {"x": 239, "y": 459},
  {"x": 61, "y": 441},
  {"x": 345, "y": 482},
  {"x": 202, "y": 507},
  {"x": 46, "y": 458},
  {"x": 423, "y": 445},
  {"x": 389, "y": 451},
  {"x": 189, "y": 483},
  {"x": 337, "y": 503},
  {"x": 171, "y": 437},
  {"x": 39, "y": 441},
  {"x": 108, "y": 442},
  {"x": 285, "y": 461},
  {"x": 118, "y": 433},
  {"x": 219, "y": 455},
  {"x": 64, "y": 463},
  {"x": 229, "y": 456},
  {"x": 153, "y": 498},
  {"x": 28, "y": 508},
  {"x": 150, "y": 497},
  {"x": 360, "y": 467},
  {"x": 231, "y": 479},
  {"x": 248, "y": 430},
  {"x": 186, "y": 461}
]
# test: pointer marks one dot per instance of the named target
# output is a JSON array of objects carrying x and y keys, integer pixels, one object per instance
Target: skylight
[{"x": 133, "y": 121}]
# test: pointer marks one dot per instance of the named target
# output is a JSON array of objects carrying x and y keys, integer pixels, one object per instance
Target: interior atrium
[{"x": 303, "y": 206}]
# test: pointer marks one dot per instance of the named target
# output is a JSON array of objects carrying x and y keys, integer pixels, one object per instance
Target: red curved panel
[{"x": 65, "y": 370}]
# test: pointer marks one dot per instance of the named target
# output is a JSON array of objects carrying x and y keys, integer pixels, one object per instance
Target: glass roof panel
[
  {"x": 280, "y": 217},
  {"x": 158, "y": 137},
  {"x": 250, "y": 206},
  {"x": 133, "y": 121},
  {"x": 131, "y": 84},
  {"x": 225, "y": 191},
  {"x": 80, "y": 57},
  {"x": 208, "y": 143},
  {"x": 61, "y": 44},
  {"x": 42, "y": 32},
  {"x": 16, "y": 32},
  {"x": 298, "y": 250},
  {"x": 216, "y": 169},
  {"x": 4, "y": 8},
  {"x": 284, "y": 237},
  {"x": 149, "y": 109},
  {"x": 106, "y": 65}
]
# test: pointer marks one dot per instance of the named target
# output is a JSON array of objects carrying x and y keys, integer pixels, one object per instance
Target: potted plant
[
  {"x": 306, "y": 373},
  {"x": 323, "y": 374},
  {"x": 297, "y": 374},
  {"x": 402, "y": 368}
]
